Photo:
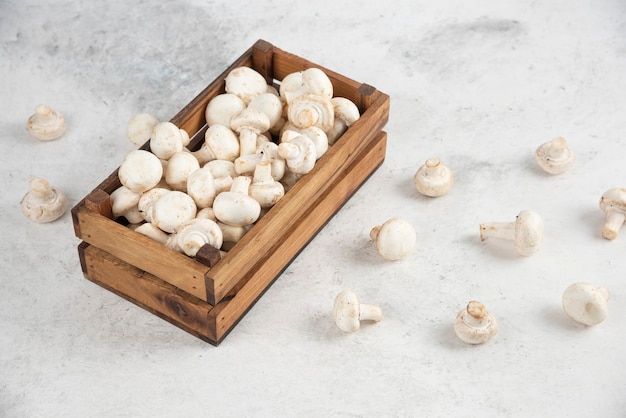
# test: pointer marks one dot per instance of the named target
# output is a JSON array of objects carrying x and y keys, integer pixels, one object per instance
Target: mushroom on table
[
  {"x": 526, "y": 231},
  {"x": 349, "y": 312}
]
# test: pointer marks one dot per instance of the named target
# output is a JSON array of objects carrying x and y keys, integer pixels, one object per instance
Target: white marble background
[{"x": 480, "y": 84}]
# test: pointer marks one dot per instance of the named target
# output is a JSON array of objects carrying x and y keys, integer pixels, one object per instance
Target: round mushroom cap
[
  {"x": 614, "y": 200},
  {"x": 139, "y": 128},
  {"x": 394, "y": 239},
  {"x": 172, "y": 209},
  {"x": 140, "y": 171},
  {"x": 585, "y": 303},
  {"x": 252, "y": 119},
  {"x": 347, "y": 311},
  {"x": 528, "y": 232},
  {"x": 245, "y": 83},
  {"x": 166, "y": 140},
  {"x": 43, "y": 203}
]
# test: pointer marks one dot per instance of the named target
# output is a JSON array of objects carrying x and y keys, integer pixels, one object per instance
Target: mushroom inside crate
[{"x": 259, "y": 141}]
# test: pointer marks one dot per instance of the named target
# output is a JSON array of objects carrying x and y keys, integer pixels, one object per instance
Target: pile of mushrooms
[{"x": 260, "y": 140}]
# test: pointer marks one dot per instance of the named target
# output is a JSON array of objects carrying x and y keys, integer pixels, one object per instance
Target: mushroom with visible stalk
[
  {"x": 153, "y": 232},
  {"x": 236, "y": 207},
  {"x": 245, "y": 83},
  {"x": 195, "y": 233},
  {"x": 124, "y": 203},
  {"x": 222, "y": 108},
  {"x": 249, "y": 124},
  {"x": 315, "y": 134},
  {"x": 311, "y": 110},
  {"x": 167, "y": 139},
  {"x": 46, "y": 124},
  {"x": 349, "y": 312},
  {"x": 613, "y": 204},
  {"x": 147, "y": 199},
  {"x": 585, "y": 303},
  {"x": 433, "y": 179},
  {"x": 178, "y": 169},
  {"x": 173, "y": 209},
  {"x": 310, "y": 81},
  {"x": 220, "y": 143},
  {"x": 140, "y": 171},
  {"x": 474, "y": 325},
  {"x": 299, "y": 154},
  {"x": 555, "y": 156},
  {"x": 264, "y": 189},
  {"x": 394, "y": 239},
  {"x": 43, "y": 203},
  {"x": 139, "y": 128},
  {"x": 346, "y": 113},
  {"x": 526, "y": 231}
]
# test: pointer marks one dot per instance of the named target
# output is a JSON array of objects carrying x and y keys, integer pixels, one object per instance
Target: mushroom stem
[
  {"x": 374, "y": 232},
  {"x": 558, "y": 148},
  {"x": 241, "y": 184},
  {"x": 41, "y": 189},
  {"x": 612, "y": 225},
  {"x": 503, "y": 230},
  {"x": 247, "y": 142},
  {"x": 432, "y": 167},
  {"x": 475, "y": 315},
  {"x": 370, "y": 313}
]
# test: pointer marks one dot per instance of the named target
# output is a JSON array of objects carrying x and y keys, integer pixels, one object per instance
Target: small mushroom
[
  {"x": 433, "y": 179},
  {"x": 269, "y": 104},
  {"x": 167, "y": 139},
  {"x": 474, "y": 325},
  {"x": 147, "y": 199},
  {"x": 315, "y": 134},
  {"x": 220, "y": 143},
  {"x": 526, "y": 232},
  {"x": 223, "y": 174},
  {"x": 46, "y": 124},
  {"x": 613, "y": 204},
  {"x": 249, "y": 124},
  {"x": 245, "y": 83},
  {"x": 394, "y": 239},
  {"x": 153, "y": 232},
  {"x": 311, "y": 110},
  {"x": 349, "y": 312},
  {"x": 201, "y": 187},
  {"x": 173, "y": 209},
  {"x": 124, "y": 203},
  {"x": 299, "y": 154},
  {"x": 585, "y": 303},
  {"x": 264, "y": 189},
  {"x": 139, "y": 128},
  {"x": 346, "y": 113},
  {"x": 555, "y": 157},
  {"x": 310, "y": 81},
  {"x": 222, "y": 108},
  {"x": 195, "y": 233},
  {"x": 140, "y": 171},
  {"x": 43, "y": 203},
  {"x": 179, "y": 167},
  {"x": 235, "y": 207}
]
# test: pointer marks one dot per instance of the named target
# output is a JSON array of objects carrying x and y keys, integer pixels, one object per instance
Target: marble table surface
[{"x": 478, "y": 84}]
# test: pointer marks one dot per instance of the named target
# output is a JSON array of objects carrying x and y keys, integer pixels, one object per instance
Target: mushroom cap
[
  {"x": 555, "y": 156},
  {"x": 222, "y": 108},
  {"x": 528, "y": 232},
  {"x": 139, "y": 128},
  {"x": 43, "y": 203},
  {"x": 235, "y": 207},
  {"x": 195, "y": 233},
  {"x": 179, "y": 167},
  {"x": 345, "y": 110},
  {"x": 172, "y": 209},
  {"x": 250, "y": 119},
  {"x": 614, "y": 200},
  {"x": 166, "y": 140},
  {"x": 201, "y": 187},
  {"x": 299, "y": 154},
  {"x": 140, "y": 171},
  {"x": 347, "y": 311},
  {"x": 46, "y": 124},
  {"x": 245, "y": 83},
  {"x": 147, "y": 199},
  {"x": 585, "y": 303},
  {"x": 269, "y": 104},
  {"x": 394, "y": 239},
  {"x": 433, "y": 178},
  {"x": 264, "y": 189},
  {"x": 474, "y": 324},
  {"x": 311, "y": 110},
  {"x": 124, "y": 203}
]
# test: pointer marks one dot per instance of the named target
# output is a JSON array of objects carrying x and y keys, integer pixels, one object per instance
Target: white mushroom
[
  {"x": 433, "y": 179},
  {"x": 46, "y": 124},
  {"x": 269, "y": 104},
  {"x": 264, "y": 189},
  {"x": 394, "y": 239},
  {"x": 147, "y": 199},
  {"x": 173, "y": 209},
  {"x": 348, "y": 311},
  {"x": 613, "y": 204},
  {"x": 474, "y": 325},
  {"x": 315, "y": 134},
  {"x": 585, "y": 303},
  {"x": 245, "y": 83},
  {"x": 124, "y": 203},
  {"x": 232, "y": 234},
  {"x": 235, "y": 207},
  {"x": 346, "y": 113},
  {"x": 43, "y": 203},
  {"x": 222, "y": 108},
  {"x": 223, "y": 174},
  {"x": 201, "y": 187},
  {"x": 139, "y": 128},
  {"x": 526, "y": 232},
  {"x": 140, "y": 171},
  {"x": 249, "y": 124},
  {"x": 167, "y": 139},
  {"x": 309, "y": 81},
  {"x": 178, "y": 169},
  {"x": 555, "y": 157},
  {"x": 206, "y": 213},
  {"x": 153, "y": 232},
  {"x": 299, "y": 154},
  {"x": 311, "y": 110},
  {"x": 220, "y": 143},
  {"x": 195, "y": 233}
]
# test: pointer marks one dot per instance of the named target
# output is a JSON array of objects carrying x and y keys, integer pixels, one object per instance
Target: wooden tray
[{"x": 204, "y": 296}]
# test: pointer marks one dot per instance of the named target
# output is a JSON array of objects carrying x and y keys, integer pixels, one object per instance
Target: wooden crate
[{"x": 205, "y": 296}]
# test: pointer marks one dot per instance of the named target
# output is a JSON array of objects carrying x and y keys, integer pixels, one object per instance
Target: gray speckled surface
[{"x": 479, "y": 86}]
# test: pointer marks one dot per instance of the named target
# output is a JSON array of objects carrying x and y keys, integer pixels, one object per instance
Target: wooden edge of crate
[
  {"x": 258, "y": 280},
  {"x": 195, "y": 316}
]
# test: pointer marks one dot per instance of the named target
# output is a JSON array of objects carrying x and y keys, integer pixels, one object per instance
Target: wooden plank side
[
  {"x": 288, "y": 211},
  {"x": 229, "y": 312},
  {"x": 143, "y": 252},
  {"x": 148, "y": 292}
]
